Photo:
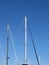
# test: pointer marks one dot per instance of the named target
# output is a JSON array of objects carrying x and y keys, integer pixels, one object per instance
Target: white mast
[
  {"x": 26, "y": 58},
  {"x": 7, "y": 44}
]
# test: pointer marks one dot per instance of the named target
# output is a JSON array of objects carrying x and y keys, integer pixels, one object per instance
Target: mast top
[{"x": 8, "y": 27}]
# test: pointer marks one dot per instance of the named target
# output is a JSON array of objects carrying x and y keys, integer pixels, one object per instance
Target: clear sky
[{"x": 14, "y": 11}]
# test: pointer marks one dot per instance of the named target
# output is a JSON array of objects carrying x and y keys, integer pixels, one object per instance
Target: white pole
[
  {"x": 26, "y": 59},
  {"x": 7, "y": 44}
]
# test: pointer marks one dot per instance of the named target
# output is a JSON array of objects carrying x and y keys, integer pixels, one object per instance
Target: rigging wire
[
  {"x": 33, "y": 44},
  {"x": 13, "y": 46}
]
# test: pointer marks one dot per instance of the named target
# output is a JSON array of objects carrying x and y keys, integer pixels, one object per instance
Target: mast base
[{"x": 24, "y": 64}]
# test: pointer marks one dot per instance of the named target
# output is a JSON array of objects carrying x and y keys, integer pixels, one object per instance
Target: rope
[
  {"x": 33, "y": 45},
  {"x": 13, "y": 47}
]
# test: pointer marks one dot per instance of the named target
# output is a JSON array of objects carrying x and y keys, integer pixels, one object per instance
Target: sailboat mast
[
  {"x": 26, "y": 59},
  {"x": 7, "y": 44},
  {"x": 26, "y": 50}
]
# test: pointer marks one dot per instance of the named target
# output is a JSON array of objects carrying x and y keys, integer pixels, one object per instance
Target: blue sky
[{"x": 14, "y": 11}]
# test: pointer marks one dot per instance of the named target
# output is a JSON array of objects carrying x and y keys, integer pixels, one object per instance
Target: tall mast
[
  {"x": 26, "y": 51},
  {"x": 26, "y": 59},
  {"x": 7, "y": 44}
]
